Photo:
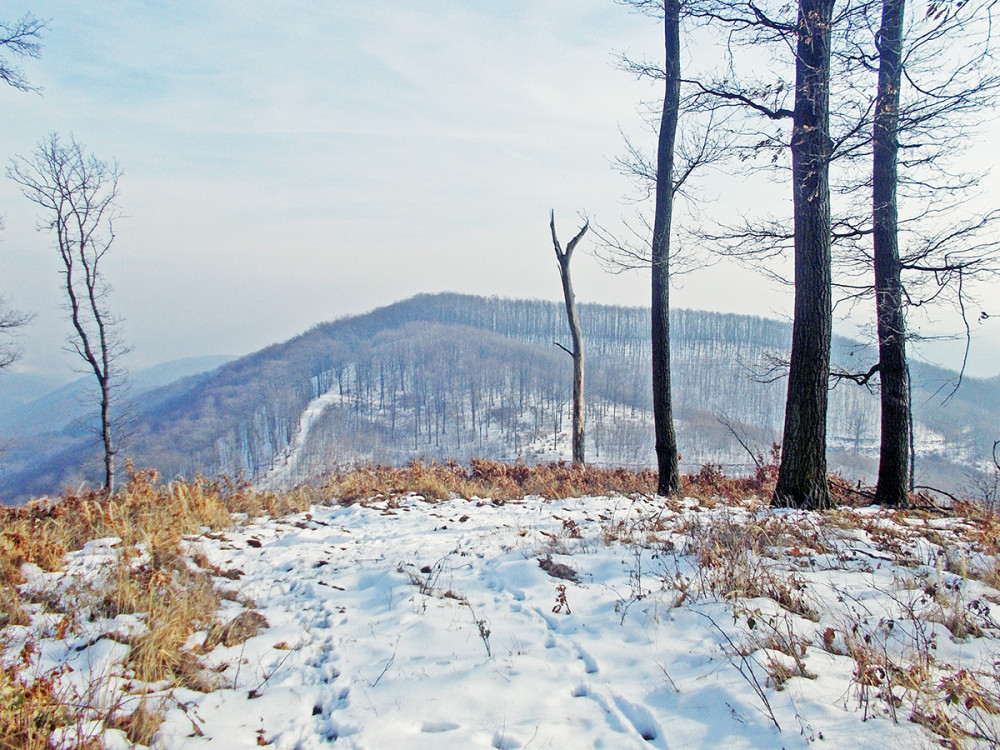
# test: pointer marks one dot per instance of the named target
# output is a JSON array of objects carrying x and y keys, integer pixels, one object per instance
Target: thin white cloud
[{"x": 290, "y": 162}]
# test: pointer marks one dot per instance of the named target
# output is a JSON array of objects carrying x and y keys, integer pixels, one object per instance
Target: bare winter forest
[{"x": 453, "y": 376}]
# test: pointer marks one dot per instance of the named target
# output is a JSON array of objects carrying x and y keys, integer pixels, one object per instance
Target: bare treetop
[
  {"x": 76, "y": 190},
  {"x": 18, "y": 40}
]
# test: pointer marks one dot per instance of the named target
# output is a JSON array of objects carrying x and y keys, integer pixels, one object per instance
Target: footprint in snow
[
  {"x": 622, "y": 716},
  {"x": 436, "y": 727},
  {"x": 589, "y": 662},
  {"x": 641, "y": 719},
  {"x": 337, "y": 702}
]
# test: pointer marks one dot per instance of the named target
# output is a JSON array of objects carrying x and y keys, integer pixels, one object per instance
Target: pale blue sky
[{"x": 288, "y": 163}]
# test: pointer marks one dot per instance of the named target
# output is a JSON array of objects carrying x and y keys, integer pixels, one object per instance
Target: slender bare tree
[
  {"x": 76, "y": 192},
  {"x": 669, "y": 476},
  {"x": 894, "y": 452},
  {"x": 664, "y": 177},
  {"x": 664, "y": 183},
  {"x": 576, "y": 333}
]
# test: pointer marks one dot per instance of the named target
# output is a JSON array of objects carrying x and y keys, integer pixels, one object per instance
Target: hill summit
[{"x": 451, "y": 376}]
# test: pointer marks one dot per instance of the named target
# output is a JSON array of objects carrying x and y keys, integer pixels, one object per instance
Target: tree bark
[
  {"x": 663, "y": 420},
  {"x": 894, "y": 458},
  {"x": 107, "y": 440},
  {"x": 802, "y": 480},
  {"x": 576, "y": 332}
]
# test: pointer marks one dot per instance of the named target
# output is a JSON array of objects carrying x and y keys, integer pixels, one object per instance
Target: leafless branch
[
  {"x": 726, "y": 422},
  {"x": 20, "y": 39}
]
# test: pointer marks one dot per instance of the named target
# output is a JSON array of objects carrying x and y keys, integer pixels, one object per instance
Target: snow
[
  {"x": 283, "y": 471},
  {"x": 403, "y": 623}
]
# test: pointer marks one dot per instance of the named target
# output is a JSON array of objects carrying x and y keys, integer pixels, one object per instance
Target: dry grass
[
  {"x": 150, "y": 575},
  {"x": 140, "y": 724},
  {"x": 32, "y": 704},
  {"x": 737, "y": 557},
  {"x": 710, "y": 484},
  {"x": 487, "y": 479}
]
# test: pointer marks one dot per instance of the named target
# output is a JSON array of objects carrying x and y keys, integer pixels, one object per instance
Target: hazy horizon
[{"x": 285, "y": 166}]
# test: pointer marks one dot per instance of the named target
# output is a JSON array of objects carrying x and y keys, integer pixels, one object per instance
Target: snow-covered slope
[
  {"x": 284, "y": 470},
  {"x": 599, "y": 622}
]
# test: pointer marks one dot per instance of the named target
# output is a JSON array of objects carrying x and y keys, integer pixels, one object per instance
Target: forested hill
[{"x": 453, "y": 376}]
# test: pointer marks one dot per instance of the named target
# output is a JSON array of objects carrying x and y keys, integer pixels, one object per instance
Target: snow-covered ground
[{"x": 578, "y": 623}]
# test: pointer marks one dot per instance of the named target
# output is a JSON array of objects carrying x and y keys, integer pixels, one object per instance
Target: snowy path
[
  {"x": 282, "y": 474},
  {"x": 433, "y": 626}
]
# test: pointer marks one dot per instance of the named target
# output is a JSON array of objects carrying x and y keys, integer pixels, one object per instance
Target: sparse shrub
[
  {"x": 733, "y": 561},
  {"x": 710, "y": 483}
]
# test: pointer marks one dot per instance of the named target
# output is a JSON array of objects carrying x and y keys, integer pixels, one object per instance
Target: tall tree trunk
[
  {"x": 107, "y": 438},
  {"x": 576, "y": 332},
  {"x": 663, "y": 419},
  {"x": 802, "y": 478},
  {"x": 894, "y": 458}
]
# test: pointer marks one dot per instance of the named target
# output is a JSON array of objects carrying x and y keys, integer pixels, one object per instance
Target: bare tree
[
  {"x": 936, "y": 78},
  {"x": 802, "y": 480},
  {"x": 576, "y": 333},
  {"x": 10, "y": 321},
  {"x": 20, "y": 39},
  {"x": 77, "y": 193},
  {"x": 664, "y": 187},
  {"x": 669, "y": 478}
]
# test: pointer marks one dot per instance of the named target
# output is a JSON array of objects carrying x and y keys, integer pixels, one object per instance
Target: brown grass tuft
[
  {"x": 33, "y": 705},
  {"x": 140, "y": 725},
  {"x": 241, "y": 628}
]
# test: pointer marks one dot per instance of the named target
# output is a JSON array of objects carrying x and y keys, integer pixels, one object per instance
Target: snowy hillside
[
  {"x": 606, "y": 622},
  {"x": 454, "y": 377}
]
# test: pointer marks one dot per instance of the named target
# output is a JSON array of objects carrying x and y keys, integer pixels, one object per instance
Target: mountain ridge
[{"x": 450, "y": 376}]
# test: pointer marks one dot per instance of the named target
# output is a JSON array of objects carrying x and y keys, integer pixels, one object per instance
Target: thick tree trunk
[
  {"x": 576, "y": 332},
  {"x": 802, "y": 480},
  {"x": 663, "y": 419},
  {"x": 894, "y": 457}
]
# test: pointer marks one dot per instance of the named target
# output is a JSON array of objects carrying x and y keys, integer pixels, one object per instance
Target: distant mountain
[
  {"x": 453, "y": 376},
  {"x": 56, "y": 409},
  {"x": 45, "y": 439},
  {"x": 18, "y": 388}
]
